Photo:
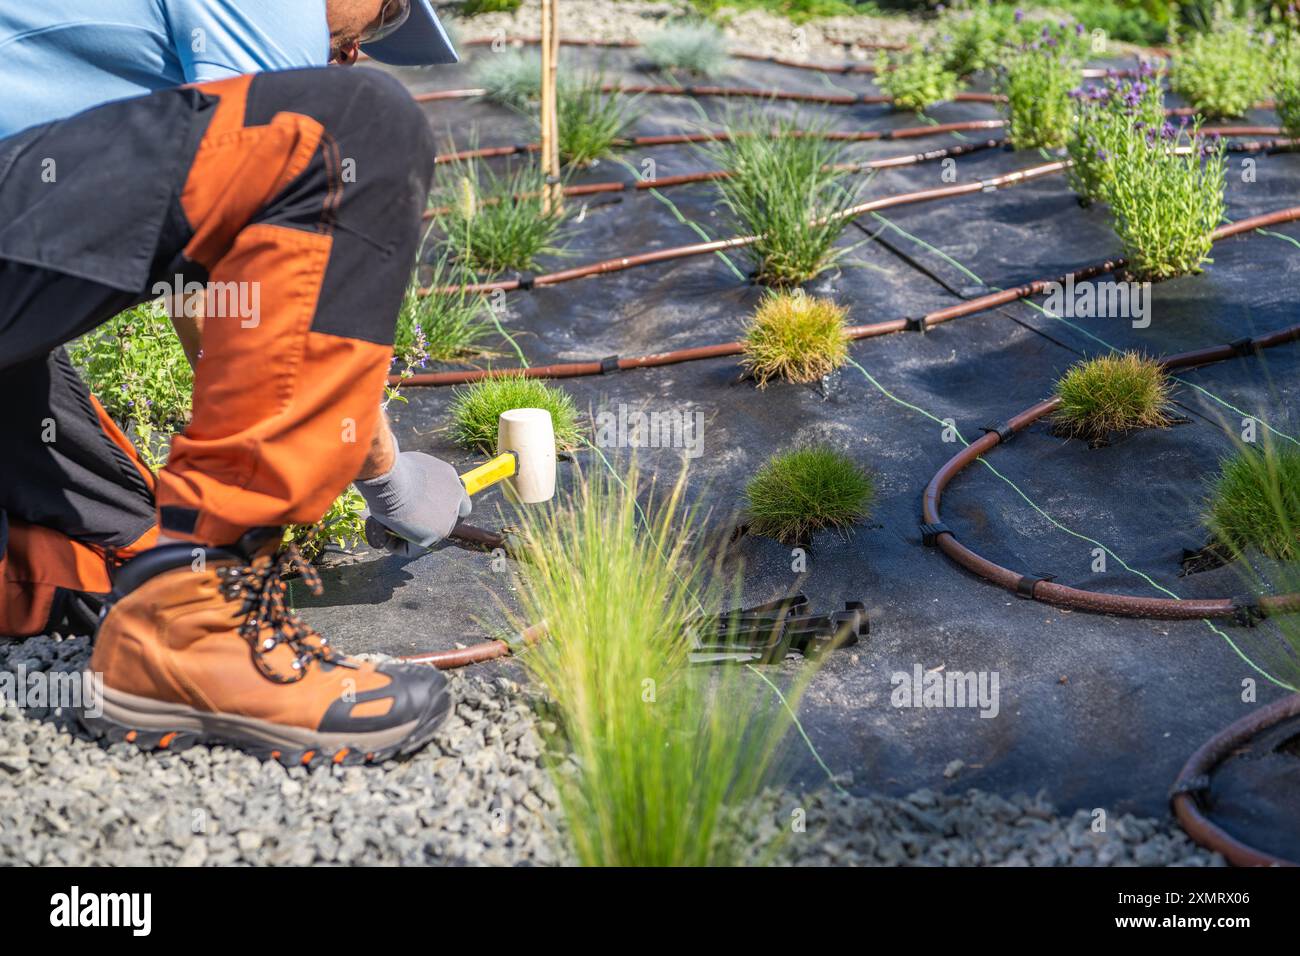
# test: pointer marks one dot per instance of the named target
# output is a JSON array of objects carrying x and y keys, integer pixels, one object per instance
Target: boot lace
[{"x": 269, "y": 621}]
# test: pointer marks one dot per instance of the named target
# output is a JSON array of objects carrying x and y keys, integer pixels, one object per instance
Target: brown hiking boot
[{"x": 208, "y": 651}]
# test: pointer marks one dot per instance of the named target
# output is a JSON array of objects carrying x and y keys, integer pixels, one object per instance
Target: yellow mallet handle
[{"x": 501, "y": 467}]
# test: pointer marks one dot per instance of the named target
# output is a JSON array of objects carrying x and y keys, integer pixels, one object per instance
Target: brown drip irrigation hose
[
  {"x": 747, "y": 92},
  {"x": 1043, "y": 589},
  {"x": 475, "y": 653},
  {"x": 909, "y": 159},
  {"x": 632, "y": 44},
  {"x": 674, "y": 139},
  {"x": 1194, "y": 779}
]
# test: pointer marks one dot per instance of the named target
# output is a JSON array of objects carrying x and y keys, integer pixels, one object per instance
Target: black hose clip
[
  {"x": 526, "y": 281},
  {"x": 930, "y": 533},
  {"x": 1244, "y": 346},
  {"x": 1025, "y": 586},
  {"x": 914, "y": 323},
  {"x": 1192, "y": 786},
  {"x": 1003, "y": 430},
  {"x": 608, "y": 364},
  {"x": 1247, "y": 612}
]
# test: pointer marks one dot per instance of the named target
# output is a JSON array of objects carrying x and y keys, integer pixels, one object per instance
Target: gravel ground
[
  {"x": 477, "y": 795},
  {"x": 755, "y": 31}
]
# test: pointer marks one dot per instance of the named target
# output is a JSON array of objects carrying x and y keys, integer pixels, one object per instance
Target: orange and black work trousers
[{"x": 294, "y": 200}]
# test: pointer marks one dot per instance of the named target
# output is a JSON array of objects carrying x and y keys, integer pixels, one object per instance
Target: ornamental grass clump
[
  {"x": 511, "y": 77},
  {"x": 1111, "y": 394},
  {"x": 699, "y": 49},
  {"x": 590, "y": 121},
  {"x": 1104, "y": 116},
  {"x": 797, "y": 493},
  {"x": 655, "y": 763},
  {"x": 492, "y": 221},
  {"x": 442, "y": 323},
  {"x": 1165, "y": 192},
  {"x": 785, "y": 190},
  {"x": 1255, "y": 502},
  {"x": 916, "y": 79},
  {"x": 795, "y": 337},
  {"x": 1037, "y": 79},
  {"x": 475, "y": 409},
  {"x": 1223, "y": 71}
]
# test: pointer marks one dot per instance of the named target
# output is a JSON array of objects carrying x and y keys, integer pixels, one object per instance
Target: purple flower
[{"x": 1020, "y": 14}]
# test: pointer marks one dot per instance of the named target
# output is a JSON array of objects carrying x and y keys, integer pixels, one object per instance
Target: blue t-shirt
[{"x": 59, "y": 57}]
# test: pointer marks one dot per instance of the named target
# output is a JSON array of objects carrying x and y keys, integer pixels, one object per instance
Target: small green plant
[
  {"x": 135, "y": 366},
  {"x": 798, "y": 11},
  {"x": 1285, "y": 73},
  {"x": 785, "y": 189},
  {"x": 470, "y": 8},
  {"x": 657, "y": 759},
  {"x": 1255, "y": 502},
  {"x": 1037, "y": 79},
  {"x": 1165, "y": 192},
  {"x": 795, "y": 337},
  {"x": 799, "y": 492},
  {"x": 590, "y": 121},
  {"x": 916, "y": 79},
  {"x": 1223, "y": 71},
  {"x": 511, "y": 77},
  {"x": 476, "y": 408},
  {"x": 696, "y": 48},
  {"x": 344, "y": 525},
  {"x": 493, "y": 221},
  {"x": 443, "y": 324},
  {"x": 1104, "y": 118},
  {"x": 1112, "y": 394}
]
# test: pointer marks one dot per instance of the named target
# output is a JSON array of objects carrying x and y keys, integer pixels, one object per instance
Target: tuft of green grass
[
  {"x": 476, "y": 408},
  {"x": 511, "y": 77},
  {"x": 917, "y": 78},
  {"x": 799, "y": 492},
  {"x": 1255, "y": 502},
  {"x": 1223, "y": 71},
  {"x": 1112, "y": 393},
  {"x": 795, "y": 337},
  {"x": 696, "y": 48},
  {"x": 589, "y": 120},
  {"x": 444, "y": 324},
  {"x": 784, "y": 189},
  {"x": 493, "y": 222},
  {"x": 1037, "y": 79},
  {"x": 661, "y": 761}
]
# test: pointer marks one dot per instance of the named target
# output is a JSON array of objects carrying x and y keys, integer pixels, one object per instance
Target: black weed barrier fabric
[{"x": 1099, "y": 712}]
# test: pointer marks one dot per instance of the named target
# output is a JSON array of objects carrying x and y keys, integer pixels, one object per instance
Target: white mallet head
[{"x": 529, "y": 433}]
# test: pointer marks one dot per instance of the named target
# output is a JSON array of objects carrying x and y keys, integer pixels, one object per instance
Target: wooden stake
[{"x": 552, "y": 192}]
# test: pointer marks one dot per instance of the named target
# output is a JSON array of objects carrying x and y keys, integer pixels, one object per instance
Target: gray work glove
[{"x": 415, "y": 505}]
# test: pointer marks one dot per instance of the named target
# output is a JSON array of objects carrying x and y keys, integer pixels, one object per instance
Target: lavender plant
[
  {"x": 1037, "y": 78},
  {"x": 1165, "y": 192},
  {"x": 1103, "y": 117},
  {"x": 916, "y": 78},
  {"x": 1224, "y": 70}
]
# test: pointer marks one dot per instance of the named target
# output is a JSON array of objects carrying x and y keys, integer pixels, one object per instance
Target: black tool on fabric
[{"x": 766, "y": 633}]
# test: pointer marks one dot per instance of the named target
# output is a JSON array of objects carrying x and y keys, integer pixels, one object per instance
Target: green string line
[
  {"x": 1084, "y": 332},
  {"x": 1083, "y": 537},
  {"x": 799, "y": 726},
  {"x": 508, "y": 337}
]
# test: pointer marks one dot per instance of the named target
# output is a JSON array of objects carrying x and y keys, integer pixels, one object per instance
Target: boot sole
[{"x": 158, "y": 725}]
